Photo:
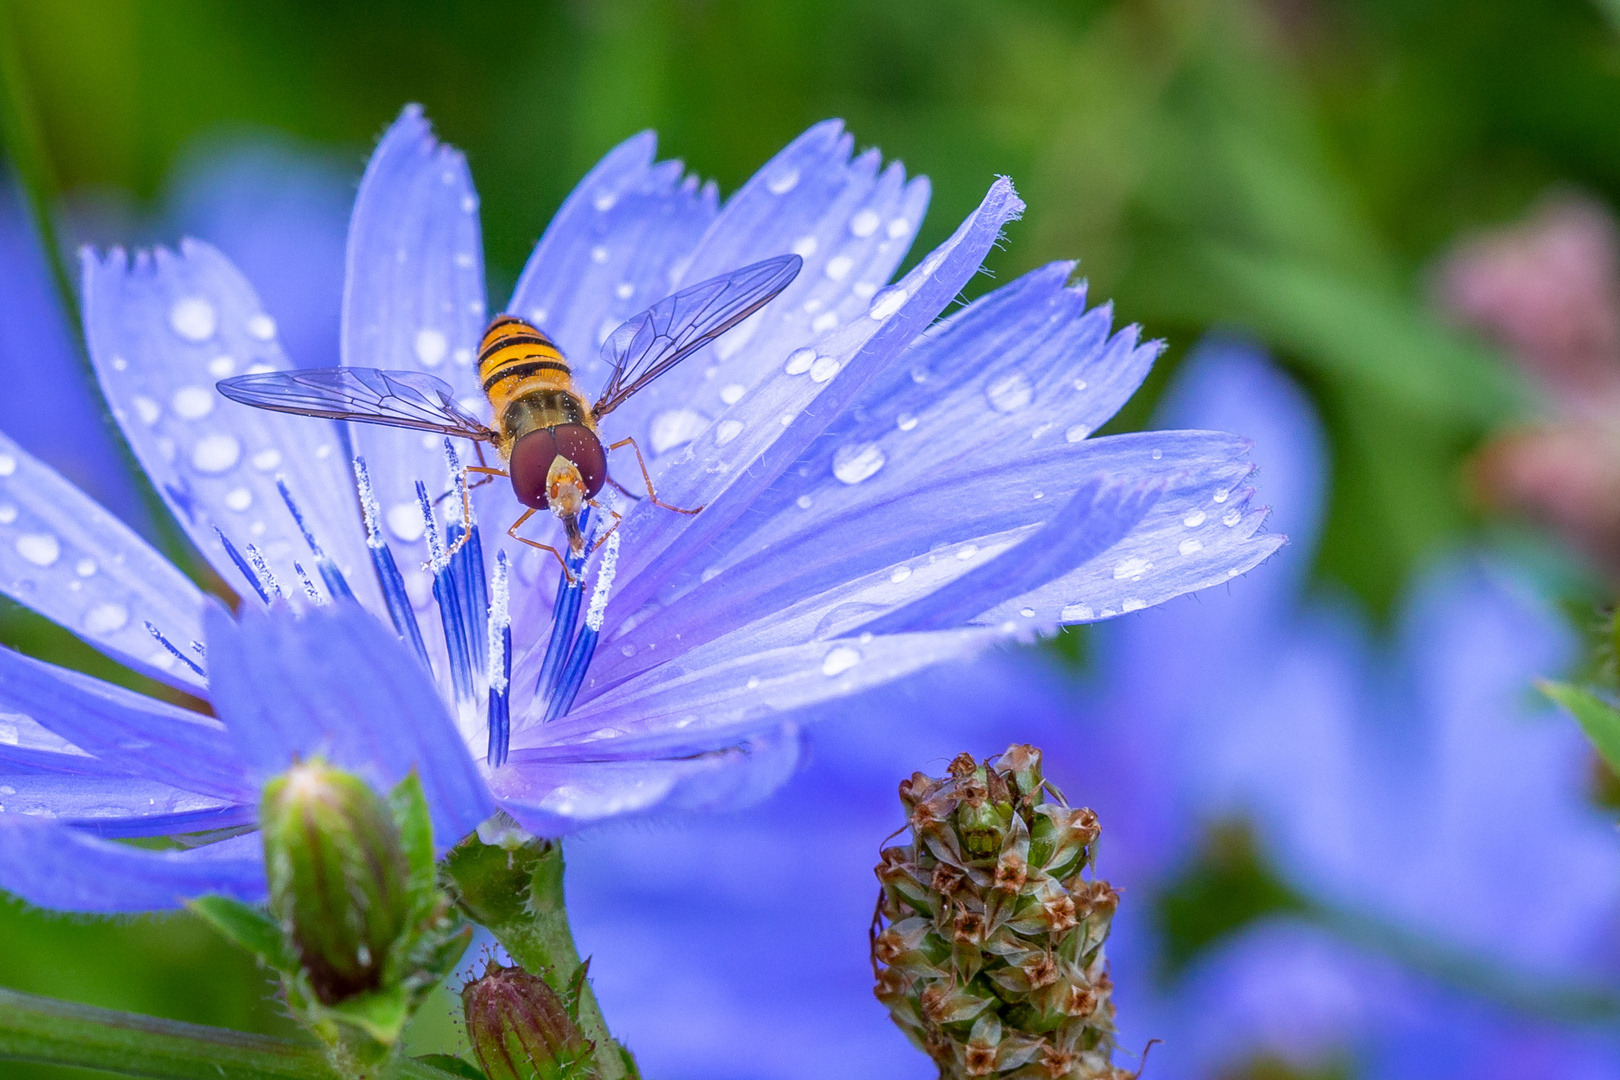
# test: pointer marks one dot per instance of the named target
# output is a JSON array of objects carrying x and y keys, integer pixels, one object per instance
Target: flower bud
[
  {"x": 522, "y": 1029},
  {"x": 339, "y": 878},
  {"x": 988, "y": 944}
]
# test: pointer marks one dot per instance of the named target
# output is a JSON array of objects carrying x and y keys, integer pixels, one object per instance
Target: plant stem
[
  {"x": 517, "y": 892},
  {"x": 51, "y": 1032}
]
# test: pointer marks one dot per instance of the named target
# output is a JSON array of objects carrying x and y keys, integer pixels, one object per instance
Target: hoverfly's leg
[
  {"x": 618, "y": 519},
  {"x": 645, "y": 475},
  {"x": 466, "y": 503},
  {"x": 490, "y": 479},
  {"x": 622, "y": 490},
  {"x": 512, "y": 532}
]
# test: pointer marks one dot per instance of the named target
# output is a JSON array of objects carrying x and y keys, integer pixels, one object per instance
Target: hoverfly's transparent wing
[
  {"x": 407, "y": 399},
  {"x": 678, "y": 326}
]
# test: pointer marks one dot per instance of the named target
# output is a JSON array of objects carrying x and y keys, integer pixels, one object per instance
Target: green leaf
[
  {"x": 451, "y": 1064},
  {"x": 381, "y": 1014},
  {"x": 1599, "y": 719},
  {"x": 410, "y": 811},
  {"x": 248, "y": 927}
]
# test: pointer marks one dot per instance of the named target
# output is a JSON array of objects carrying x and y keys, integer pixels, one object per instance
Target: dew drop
[
  {"x": 469, "y": 204},
  {"x": 238, "y": 499},
  {"x": 1194, "y": 519},
  {"x": 262, "y": 327},
  {"x": 865, "y": 223},
  {"x": 1079, "y": 384},
  {"x": 838, "y": 267},
  {"x": 1220, "y": 496},
  {"x": 888, "y": 302},
  {"x": 1011, "y": 392},
  {"x": 265, "y": 460},
  {"x": 753, "y": 682},
  {"x": 221, "y": 366},
  {"x": 864, "y": 289},
  {"x": 1131, "y": 604},
  {"x": 824, "y": 368},
  {"x": 604, "y": 202},
  {"x": 855, "y": 463},
  {"x": 193, "y": 318},
  {"x": 431, "y": 347},
  {"x": 8, "y": 464},
  {"x": 192, "y": 402},
  {"x": 1028, "y": 613},
  {"x": 462, "y": 356},
  {"x": 106, "y": 618},
  {"x": 1077, "y": 433},
  {"x": 464, "y": 259},
  {"x": 804, "y": 502},
  {"x": 840, "y": 660},
  {"x": 147, "y": 409},
  {"x": 899, "y": 574},
  {"x": 1132, "y": 568},
  {"x": 84, "y": 567},
  {"x": 119, "y": 363},
  {"x": 1231, "y": 518},
  {"x": 405, "y": 521},
  {"x": 905, "y": 421},
  {"x": 8, "y": 513},
  {"x": 215, "y": 453},
  {"x": 727, "y": 430},
  {"x": 783, "y": 182},
  {"x": 674, "y": 427},
  {"x": 41, "y": 549},
  {"x": 599, "y": 254},
  {"x": 1157, "y": 454},
  {"x": 732, "y": 393},
  {"x": 824, "y": 322},
  {"x": 967, "y": 552},
  {"x": 898, "y": 228},
  {"x": 627, "y": 650},
  {"x": 1073, "y": 612},
  {"x": 625, "y": 290},
  {"x": 1191, "y": 546},
  {"x": 799, "y": 361},
  {"x": 804, "y": 246}
]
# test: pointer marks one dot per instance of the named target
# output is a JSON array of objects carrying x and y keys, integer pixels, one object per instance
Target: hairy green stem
[
  {"x": 50, "y": 1032},
  {"x": 517, "y": 892}
]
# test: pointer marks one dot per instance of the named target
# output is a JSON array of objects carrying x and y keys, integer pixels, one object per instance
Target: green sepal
[
  {"x": 247, "y": 927},
  {"x": 381, "y": 1014},
  {"x": 454, "y": 1065},
  {"x": 1599, "y": 719},
  {"x": 409, "y": 808}
]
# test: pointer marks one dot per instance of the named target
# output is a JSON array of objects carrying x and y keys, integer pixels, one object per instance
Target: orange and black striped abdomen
[{"x": 516, "y": 359}]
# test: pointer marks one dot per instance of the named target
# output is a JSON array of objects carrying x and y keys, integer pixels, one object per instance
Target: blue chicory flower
[
  {"x": 1422, "y": 794},
  {"x": 881, "y": 493}
]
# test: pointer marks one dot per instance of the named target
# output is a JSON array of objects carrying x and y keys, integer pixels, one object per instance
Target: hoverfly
[{"x": 544, "y": 431}]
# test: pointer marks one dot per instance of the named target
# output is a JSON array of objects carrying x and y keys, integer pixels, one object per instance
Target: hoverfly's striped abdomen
[{"x": 528, "y": 382}]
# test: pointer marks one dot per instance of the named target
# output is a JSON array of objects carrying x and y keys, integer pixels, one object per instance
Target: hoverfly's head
[{"x": 559, "y": 469}]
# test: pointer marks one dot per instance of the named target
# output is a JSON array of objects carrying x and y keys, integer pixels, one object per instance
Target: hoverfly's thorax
[{"x": 528, "y": 382}]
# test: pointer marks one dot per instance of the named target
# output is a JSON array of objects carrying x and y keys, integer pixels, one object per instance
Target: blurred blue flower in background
[
  {"x": 881, "y": 493},
  {"x": 1450, "y": 898}
]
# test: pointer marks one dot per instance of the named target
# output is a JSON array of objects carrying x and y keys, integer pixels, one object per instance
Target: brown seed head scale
[{"x": 991, "y": 959}]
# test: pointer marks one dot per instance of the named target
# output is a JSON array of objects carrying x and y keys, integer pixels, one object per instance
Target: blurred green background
[{"x": 1288, "y": 168}]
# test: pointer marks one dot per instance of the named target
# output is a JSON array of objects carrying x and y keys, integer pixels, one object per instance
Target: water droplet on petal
[
  {"x": 41, "y": 549},
  {"x": 865, "y": 223},
  {"x": 783, "y": 182},
  {"x": 824, "y": 368},
  {"x": 1132, "y": 604},
  {"x": 8, "y": 513},
  {"x": 265, "y": 460},
  {"x": 625, "y": 290},
  {"x": 604, "y": 202},
  {"x": 1028, "y": 613},
  {"x": 1011, "y": 392},
  {"x": 1157, "y": 454},
  {"x": 887, "y": 302},
  {"x": 1220, "y": 496},
  {"x": 192, "y": 402},
  {"x": 1132, "y": 568},
  {"x": 726, "y": 431},
  {"x": 1194, "y": 519},
  {"x": 1191, "y": 546},
  {"x": 262, "y": 327},
  {"x": 193, "y": 318},
  {"x": 804, "y": 502},
  {"x": 8, "y": 464},
  {"x": 899, "y": 574},
  {"x": 431, "y": 347},
  {"x": 805, "y": 246},
  {"x": 238, "y": 499},
  {"x": 599, "y": 254},
  {"x": 799, "y": 361},
  {"x": 864, "y": 289},
  {"x": 405, "y": 521},
  {"x": 147, "y": 409},
  {"x": 898, "y": 228},
  {"x": 824, "y": 322},
  {"x": 838, "y": 267},
  {"x": 675, "y": 427},
  {"x": 215, "y": 453},
  {"x": 905, "y": 421},
  {"x": 1079, "y": 384},
  {"x": 221, "y": 366},
  {"x": 854, "y": 463},
  {"x": 106, "y": 618},
  {"x": 1231, "y": 518},
  {"x": 753, "y": 682},
  {"x": 732, "y": 393},
  {"x": 840, "y": 660},
  {"x": 85, "y": 567},
  {"x": 1077, "y": 433},
  {"x": 1073, "y": 612},
  {"x": 967, "y": 551}
]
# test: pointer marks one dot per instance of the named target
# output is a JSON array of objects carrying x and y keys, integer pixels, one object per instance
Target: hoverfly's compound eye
[{"x": 533, "y": 454}]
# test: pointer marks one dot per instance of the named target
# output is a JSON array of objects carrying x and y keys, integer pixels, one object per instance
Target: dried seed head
[{"x": 988, "y": 946}]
